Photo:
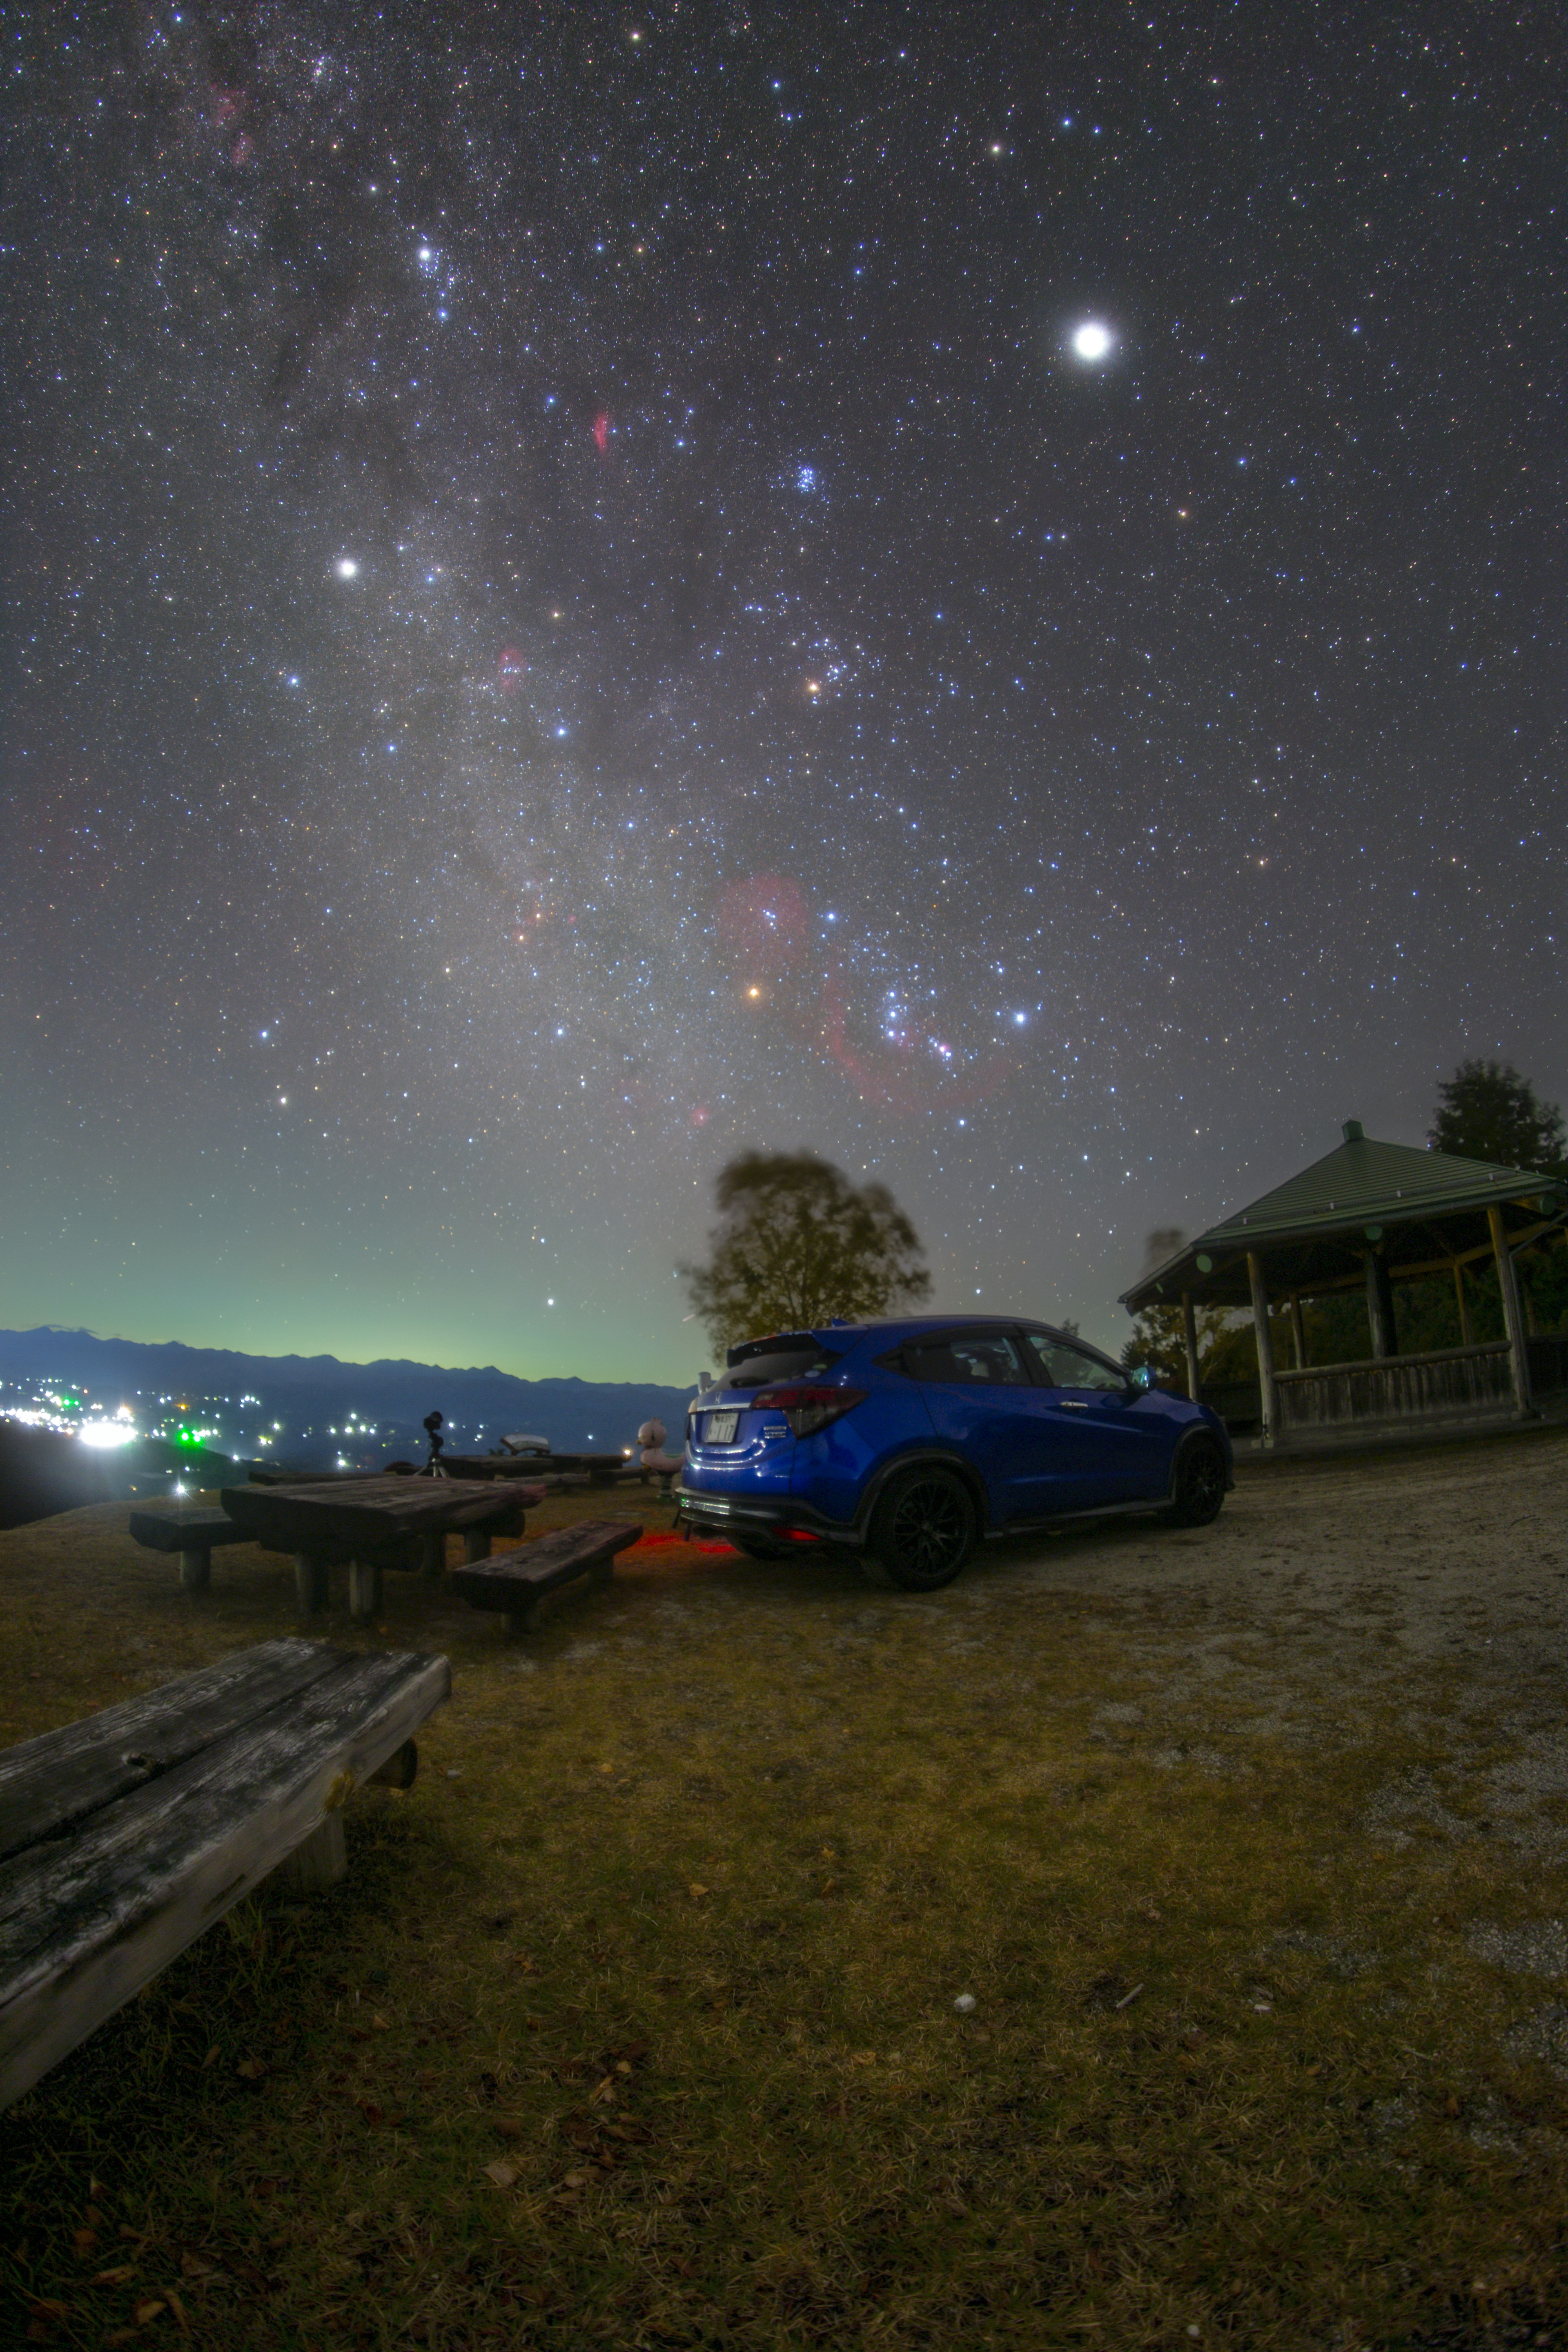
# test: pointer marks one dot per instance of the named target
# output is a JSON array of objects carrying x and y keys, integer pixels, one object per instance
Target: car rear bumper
[{"x": 759, "y": 1515}]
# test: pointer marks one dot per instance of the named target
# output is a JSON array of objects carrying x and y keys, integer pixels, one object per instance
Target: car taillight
[{"x": 807, "y": 1408}]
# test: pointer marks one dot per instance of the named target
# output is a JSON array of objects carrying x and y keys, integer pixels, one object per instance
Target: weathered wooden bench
[
  {"x": 126, "y": 1835},
  {"x": 520, "y": 1581},
  {"x": 190, "y": 1528}
]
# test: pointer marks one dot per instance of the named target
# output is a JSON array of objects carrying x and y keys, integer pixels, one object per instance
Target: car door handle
[{"x": 1071, "y": 1404}]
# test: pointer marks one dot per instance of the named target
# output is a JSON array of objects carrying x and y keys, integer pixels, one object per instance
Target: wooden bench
[
  {"x": 125, "y": 1836},
  {"x": 520, "y": 1581},
  {"x": 190, "y": 1528}
]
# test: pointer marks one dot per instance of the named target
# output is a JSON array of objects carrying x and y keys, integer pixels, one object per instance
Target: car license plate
[{"x": 720, "y": 1429}]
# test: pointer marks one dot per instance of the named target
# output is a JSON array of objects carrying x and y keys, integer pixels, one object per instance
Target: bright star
[
  {"x": 347, "y": 568},
  {"x": 1092, "y": 340}
]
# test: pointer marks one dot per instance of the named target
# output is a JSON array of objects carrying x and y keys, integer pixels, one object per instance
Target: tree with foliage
[
  {"x": 1159, "y": 1341},
  {"x": 797, "y": 1244},
  {"x": 1489, "y": 1112}
]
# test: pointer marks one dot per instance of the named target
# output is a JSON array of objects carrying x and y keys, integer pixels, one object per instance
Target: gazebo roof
[{"x": 1317, "y": 1226}]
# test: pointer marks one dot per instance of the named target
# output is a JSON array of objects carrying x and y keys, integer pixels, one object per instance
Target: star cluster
[{"x": 974, "y": 591}]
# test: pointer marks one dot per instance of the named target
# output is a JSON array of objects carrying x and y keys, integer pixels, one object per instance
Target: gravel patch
[{"x": 1538, "y": 1948}]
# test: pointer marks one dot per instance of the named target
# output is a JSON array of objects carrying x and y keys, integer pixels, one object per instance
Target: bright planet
[{"x": 1092, "y": 340}]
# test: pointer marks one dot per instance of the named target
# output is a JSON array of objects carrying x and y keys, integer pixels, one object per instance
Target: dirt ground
[
  {"x": 1331, "y": 1595},
  {"x": 1248, "y": 1842}
]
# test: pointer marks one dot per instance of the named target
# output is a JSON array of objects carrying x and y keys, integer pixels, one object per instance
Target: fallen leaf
[
  {"x": 520, "y": 1960},
  {"x": 382, "y": 2024},
  {"x": 194, "y": 2266},
  {"x": 501, "y": 2173},
  {"x": 623, "y": 2066},
  {"x": 178, "y": 2309},
  {"x": 369, "y": 2110},
  {"x": 507, "y": 2127},
  {"x": 695, "y": 1889},
  {"x": 211, "y": 2058},
  {"x": 606, "y": 2089},
  {"x": 862, "y": 2057},
  {"x": 575, "y": 2181},
  {"x": 148, "y": 2310},
  {"x": 117, "y": 2276},
  {"x": 47, "y": 2308},
  {"x": 1451, "y": 2104},
  {"x": 84, "y": 2241}
]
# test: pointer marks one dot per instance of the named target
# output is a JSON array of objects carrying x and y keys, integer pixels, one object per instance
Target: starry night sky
[{"x": 574, "y": 605}]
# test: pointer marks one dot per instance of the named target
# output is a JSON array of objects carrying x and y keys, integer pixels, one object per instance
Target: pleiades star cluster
[{"x": 979, "y": 589}]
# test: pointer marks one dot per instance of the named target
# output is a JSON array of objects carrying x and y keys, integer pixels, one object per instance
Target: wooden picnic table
[
  {"x": 600, "y": 1469},
  {"x": 376, "y": 1523}
]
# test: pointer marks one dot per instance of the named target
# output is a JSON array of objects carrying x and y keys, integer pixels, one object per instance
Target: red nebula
[
  {"x": 762, "y": 925},
  {"x": 700, "y": 1114},
  {"x": 890, "y": 1075},
  {"x": 602, "y": 431},
  {"x": 226, "y": 103},
  {"x": 512, "y": 669}
]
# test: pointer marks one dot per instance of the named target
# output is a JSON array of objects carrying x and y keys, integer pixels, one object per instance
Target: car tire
[
  {"x": 1199, "y": 1488},
  {"x": 923, "y": 1530}
]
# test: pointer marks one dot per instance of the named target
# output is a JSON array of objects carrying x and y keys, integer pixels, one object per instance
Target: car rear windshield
[{"x": 788, "y": 1356}]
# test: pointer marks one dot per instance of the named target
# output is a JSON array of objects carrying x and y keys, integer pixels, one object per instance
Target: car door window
[
  {"x": 1066, "y": 1367},
  {"x": 957, "y": 1359}
]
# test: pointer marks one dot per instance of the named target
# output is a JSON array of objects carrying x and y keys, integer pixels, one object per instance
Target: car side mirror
[{"x": 1141, "y": 1377}]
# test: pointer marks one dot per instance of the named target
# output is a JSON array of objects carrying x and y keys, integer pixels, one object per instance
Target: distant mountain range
[{"x": 315, "y": 1399}]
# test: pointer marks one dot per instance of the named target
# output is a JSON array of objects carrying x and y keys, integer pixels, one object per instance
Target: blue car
[{"x": 907, "y": 1442}]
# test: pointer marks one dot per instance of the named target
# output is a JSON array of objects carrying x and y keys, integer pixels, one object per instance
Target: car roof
[
  {"x": 912, "y": 1326},
  {"x": 849, "y": 1335}
]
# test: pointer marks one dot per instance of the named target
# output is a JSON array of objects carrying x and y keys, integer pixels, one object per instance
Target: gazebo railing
[{"x": 1397, "y": 1388}]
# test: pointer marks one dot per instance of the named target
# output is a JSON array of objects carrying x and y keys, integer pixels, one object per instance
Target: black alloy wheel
[
  {"x": 922, "y": 1531},
  {"x": 1200, "y": 1485}
]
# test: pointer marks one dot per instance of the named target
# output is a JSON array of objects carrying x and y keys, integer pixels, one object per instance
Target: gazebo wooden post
[
  {"x": 1190, "y": 1342},
  {"x": 1465, "y": 1339},
  {"x": 1298, "y": 1331},
  {"x": 1268, "y": 1395},
  {"x": 1512, "y": 1319},
  {"x": 1380, "y": 1306}
]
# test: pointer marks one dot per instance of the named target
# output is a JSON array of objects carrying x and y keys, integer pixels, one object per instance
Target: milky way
[{"x": 588, "y": 588}]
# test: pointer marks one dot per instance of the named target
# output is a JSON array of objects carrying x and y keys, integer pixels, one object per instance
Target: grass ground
[{"x": 634, "y": 2023}]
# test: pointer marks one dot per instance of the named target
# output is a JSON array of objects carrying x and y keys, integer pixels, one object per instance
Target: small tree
[
  {"x": 797, "y": 1244},
  {"x": 1159, "y": 1334},
  {"x": 1489, "y": 1112},
  {"x": 1159, "y": 1340}
]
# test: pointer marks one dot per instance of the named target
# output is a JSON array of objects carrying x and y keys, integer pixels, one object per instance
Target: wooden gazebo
[{"x": 1371, "y": 1214}]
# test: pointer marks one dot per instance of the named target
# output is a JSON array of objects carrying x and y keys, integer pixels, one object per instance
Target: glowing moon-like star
[
  {"x": 1092, "y": 341},
  {"x": 346, "y": 567}
]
